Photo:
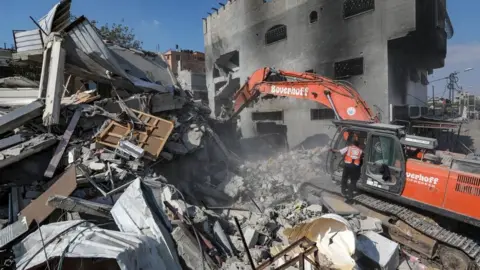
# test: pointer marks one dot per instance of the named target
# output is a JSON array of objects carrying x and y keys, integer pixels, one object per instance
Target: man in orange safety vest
[{"x": 353, "y": 160}]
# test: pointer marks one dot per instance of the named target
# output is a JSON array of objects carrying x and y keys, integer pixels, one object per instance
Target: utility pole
[
  {"x": 433, "y": 99},
  {"x": 452, "y": 79}
]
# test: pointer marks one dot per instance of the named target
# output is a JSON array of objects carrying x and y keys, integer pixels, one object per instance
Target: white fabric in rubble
[
  {"x": 137, "y": 211},
  {"x": 336, "y": 241},
  {"x": 80, "y": 239}
]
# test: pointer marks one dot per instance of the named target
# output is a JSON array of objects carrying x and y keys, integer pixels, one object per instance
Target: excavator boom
[{"x": 341, "y": 98}]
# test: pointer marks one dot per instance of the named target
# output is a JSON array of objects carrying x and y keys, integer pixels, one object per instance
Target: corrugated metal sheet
[
  {"x": 80, "y": 239},
  {"x": 88, "y": 40},
  {"x": 148, "y": 66},
  {"x": 57, "y": 18},
  {"x": 28, "y": 40},
  {"x": 82, "y": 36}
]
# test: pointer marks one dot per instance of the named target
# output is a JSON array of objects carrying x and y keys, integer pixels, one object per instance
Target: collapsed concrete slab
[
  {"x": 20, "y": 116},
  {"x": 17, "y": 82},
  {"x": 28, "y": 148},
  {"x": 11, "y": 141},
  {"x": 16, "y": 97}
]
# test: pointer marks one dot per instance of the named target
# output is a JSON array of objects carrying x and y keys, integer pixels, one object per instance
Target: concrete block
[
  {"x": 20, "y": 116},
  {"x": 371, "y": 224},
  {"x": 314, "y": 208},
  {"x": 251, "y": 237},
  {"x": 379, "y": 250},
  {"x": 192, "y": 139},
  {"x": 11, "y": 141},
  {"x": 96, "y": 166}
]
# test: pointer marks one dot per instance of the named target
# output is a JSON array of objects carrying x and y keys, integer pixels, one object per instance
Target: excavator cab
[
  {"x": 345, "y": 136},
  {"x": 383, "y": 165},
  {"x": 385, "y": 149}
]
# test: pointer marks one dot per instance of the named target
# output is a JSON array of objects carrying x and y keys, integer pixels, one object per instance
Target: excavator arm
[{"x": 341, "y": 98}]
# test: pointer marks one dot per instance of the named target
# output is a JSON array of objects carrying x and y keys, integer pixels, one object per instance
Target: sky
[{"x": 166, "y": 23}]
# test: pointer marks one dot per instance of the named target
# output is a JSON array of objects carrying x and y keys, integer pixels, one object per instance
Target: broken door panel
[{"x": 152, "y": 139}]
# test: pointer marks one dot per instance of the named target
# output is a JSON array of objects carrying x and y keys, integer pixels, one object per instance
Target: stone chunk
[
  {"x": 251, "y": 237},
  {"x": 96, "y": 166},
  {"x": 315, "y": 208}
]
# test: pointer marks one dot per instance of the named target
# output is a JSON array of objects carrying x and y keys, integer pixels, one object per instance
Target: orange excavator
[{"x": 428, "y": 202}]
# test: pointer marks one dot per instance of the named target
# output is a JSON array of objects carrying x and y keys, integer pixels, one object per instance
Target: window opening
[
  {"x": 348, "y": 68},
  {"x": 355, "y": 7},
  {"x": 276, "y": 33},
  {"x": 321, "y": 114},
  {"x": 313, "y": 16},
  {"x": 272, "y": 116}
]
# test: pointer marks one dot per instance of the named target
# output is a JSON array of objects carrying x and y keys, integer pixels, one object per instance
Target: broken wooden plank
[
  {"x": 63, "y": 144},
  {"x": 38, "y": 209},
  {"x": 152, "y": 140}
]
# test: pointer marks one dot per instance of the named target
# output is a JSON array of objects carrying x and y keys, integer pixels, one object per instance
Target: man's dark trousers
[{"x": 352, "y": 172}]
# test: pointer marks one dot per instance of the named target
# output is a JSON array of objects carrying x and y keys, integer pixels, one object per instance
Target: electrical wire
[
  {"x": 62, "y": 257},
  {"x": 43, "y": 245},
  {"x": 51, "y": 240}
]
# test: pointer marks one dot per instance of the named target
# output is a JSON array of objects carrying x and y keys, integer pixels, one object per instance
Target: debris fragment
[
  {"x": 63, "y": 144},
  {"x": 137, "y": 212},
  {"x": 38, "y": 210},
  {"x": 79, "y": 205},
  {"x": 20, "y": 116},
  {"x": 378, "y": 250}
]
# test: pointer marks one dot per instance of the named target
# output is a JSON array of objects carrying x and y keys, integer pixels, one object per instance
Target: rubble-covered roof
[{"x": 87, "y": 52}]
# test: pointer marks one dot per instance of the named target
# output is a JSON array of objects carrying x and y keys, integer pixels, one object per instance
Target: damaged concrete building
[
  {"x": 385, "y": 49},
  {"x": 189, "y": 67}
]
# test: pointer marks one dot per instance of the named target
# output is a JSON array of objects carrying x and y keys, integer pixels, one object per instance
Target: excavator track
[{"x": 424, "y": 225}]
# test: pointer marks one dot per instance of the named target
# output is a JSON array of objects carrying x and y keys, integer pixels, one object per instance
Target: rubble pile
[
  {"x": 272, "y": 181},
  {"x": 85, "y": 166},
  {"x": 164, "y": 189}
]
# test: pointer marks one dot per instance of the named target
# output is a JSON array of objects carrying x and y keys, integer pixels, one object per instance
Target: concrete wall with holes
[
  {"x": 300, "y": 129},
  {"x": 318, "y": 35}
]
